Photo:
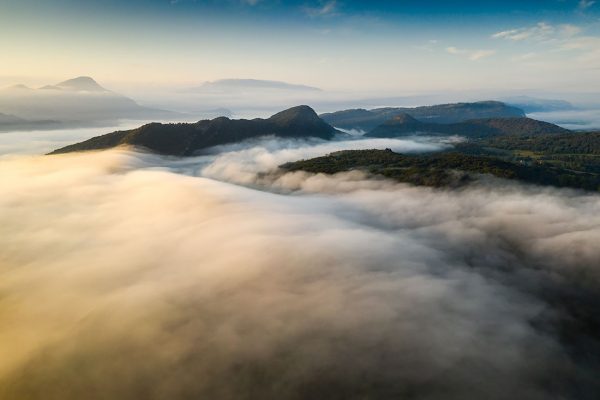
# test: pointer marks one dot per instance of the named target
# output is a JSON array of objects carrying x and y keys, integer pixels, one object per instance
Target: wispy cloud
[
  {"x": 541, "y": 31},
  {"x": 473, "y": 55},
  {"x": 585, "y": 4},
  {"x": 564, "y": 37},
  {"x": 430, "y": 45},
  {"x": 569, "y": 30},
  {"x": 325, "y": 8}
]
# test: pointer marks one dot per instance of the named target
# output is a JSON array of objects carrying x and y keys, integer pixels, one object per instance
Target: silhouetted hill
[
  {"x": 443, "y": 113},
  {"x": 403, "y": 125},
  {"x": 185, "y": 139}
]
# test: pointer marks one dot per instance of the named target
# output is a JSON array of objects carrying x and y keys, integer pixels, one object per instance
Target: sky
[{"x": 376, "y": 46}]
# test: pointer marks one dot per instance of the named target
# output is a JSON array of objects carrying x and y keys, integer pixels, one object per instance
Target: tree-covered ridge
[
  {"x": 440, "y": 114},
  {"x": 576, "y": 151},
  {"x": 186, "y": 139},
  {"x": 442, "y": 169},
  {"x": 569, "y": 143},
  {"x": 404, "y": 124}
]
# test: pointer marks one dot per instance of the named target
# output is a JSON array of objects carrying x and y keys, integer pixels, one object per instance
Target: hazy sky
[{"x": 376, "y": 45}]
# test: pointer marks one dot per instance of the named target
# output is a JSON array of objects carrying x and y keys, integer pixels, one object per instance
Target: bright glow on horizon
[{"x": 331, "y": 45}]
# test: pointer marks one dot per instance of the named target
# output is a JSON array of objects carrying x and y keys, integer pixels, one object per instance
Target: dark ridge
[
  {"x": 402, "y": 126},
  {"x": 186, "y": 139}
]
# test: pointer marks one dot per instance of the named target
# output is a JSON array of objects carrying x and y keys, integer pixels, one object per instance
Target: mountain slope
[
  {"x": 403, "y": 125},
  {"x": 443, "y": 113},
  {"x": 185, "y": 139}
]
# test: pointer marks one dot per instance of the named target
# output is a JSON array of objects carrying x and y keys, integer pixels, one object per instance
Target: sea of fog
[
  {"x": 579, "y": 119},
  {"x": 45, "y": 140},
  {"x": 127, "y": 275}
]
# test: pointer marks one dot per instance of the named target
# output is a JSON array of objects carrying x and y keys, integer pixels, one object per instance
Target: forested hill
[
  {"x": 186, "y": 139},
  {"x": 441, "y": 114},
  {"x": 442, "y": 169},
  {"x": 404, "y": 125}
]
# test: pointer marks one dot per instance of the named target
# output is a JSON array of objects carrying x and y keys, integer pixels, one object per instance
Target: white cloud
[
  {"x": 124, "y": 276},
  {"x": 525, "y": 57},
  {"x": 560, "y": 38},
  {"x": 585, "y": 4},
  {"x": 327, "y": 8},
  {"x": 541, "y": 31},
  {"x": 472, "y": 55},
  {"x": 570, "y": 30}
]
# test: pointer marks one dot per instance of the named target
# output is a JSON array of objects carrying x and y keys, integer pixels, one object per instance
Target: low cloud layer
[{"x": 122, "y": 277}]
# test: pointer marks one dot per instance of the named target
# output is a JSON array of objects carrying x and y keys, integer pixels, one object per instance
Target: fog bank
[{"x": 127, "y": 275}]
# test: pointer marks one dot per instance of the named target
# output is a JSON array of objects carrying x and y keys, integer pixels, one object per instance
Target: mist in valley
[{"x": 221, "y": 276}]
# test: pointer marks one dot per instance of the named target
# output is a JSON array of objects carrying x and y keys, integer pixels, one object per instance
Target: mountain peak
[
  {"x": 186, "y": 139},
  {"x": 404, "y": 118},
  {"x": 298, "y": 113},
  {"x": 83, "y": 83},
  {"x": 19, "y": 86}
]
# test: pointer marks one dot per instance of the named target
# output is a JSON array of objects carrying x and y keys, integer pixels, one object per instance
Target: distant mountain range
[
  {"x": 75, "y": 102},
  {"x": 404, "y": 124},
  {"x": 244, "y": 85},
  {"x": 186, "y": 139},
  {"x": 10, "y": 119},
  {"x": 443, "y": 113},
  {"x": 533, "y": 104},
  {"x": 12, "y": 122}
]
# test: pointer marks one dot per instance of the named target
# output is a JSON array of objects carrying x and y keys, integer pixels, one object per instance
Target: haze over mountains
[
  {"x": 533, "y": 104},
  {"x": 72, "y": 103},
  {"x": 81, "y": 101}
]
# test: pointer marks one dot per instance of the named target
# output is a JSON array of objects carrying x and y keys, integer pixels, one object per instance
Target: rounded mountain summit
[{"x": 185, "y": 139}]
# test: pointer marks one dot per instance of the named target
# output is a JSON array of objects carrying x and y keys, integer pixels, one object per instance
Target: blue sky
[{"x": 335, "y": 44}]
